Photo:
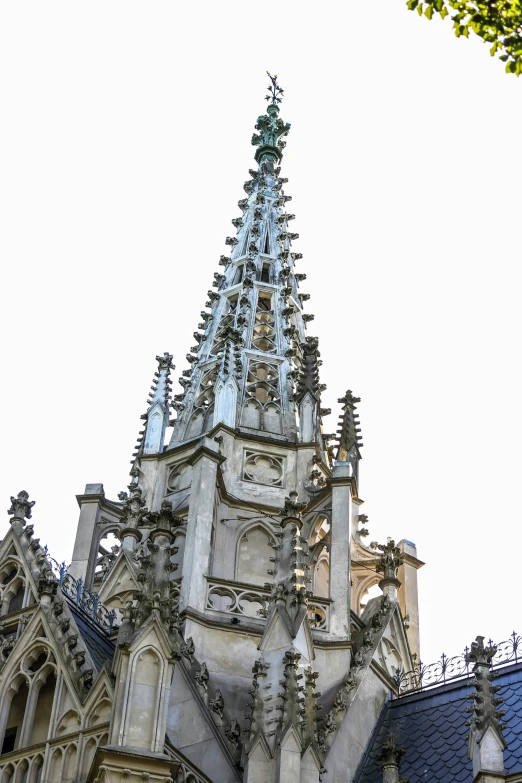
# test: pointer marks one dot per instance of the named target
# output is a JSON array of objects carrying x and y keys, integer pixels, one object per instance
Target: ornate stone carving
[
  {"x": 202, "y": 676},
  {"x": 188, "y": 649},
  {"x": 233, "y": 733},
  {"x": 217, "y": 704}
]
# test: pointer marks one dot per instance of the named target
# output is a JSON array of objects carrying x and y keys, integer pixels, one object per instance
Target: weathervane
[{"x": 275, "y": 90}]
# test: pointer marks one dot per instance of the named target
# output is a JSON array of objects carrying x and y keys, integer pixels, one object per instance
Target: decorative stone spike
[{"x": 486, "y": 739}]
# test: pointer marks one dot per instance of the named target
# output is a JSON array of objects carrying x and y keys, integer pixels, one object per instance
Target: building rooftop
[{"x": 432, "y": 727}]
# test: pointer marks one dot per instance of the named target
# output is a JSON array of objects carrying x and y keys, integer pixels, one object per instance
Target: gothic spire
[{"x": 251, "y": 346}]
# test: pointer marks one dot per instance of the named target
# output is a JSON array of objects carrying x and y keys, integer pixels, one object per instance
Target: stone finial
[
  {"x": 134, "y": 510},
  {"x": 479, "y": 654},
  {"x": 388, "y": 565},
  {"x": 391, "y": 559},
  {"x": 292, "y": 508},
  {"x": 164, "y": 519},
  {"x": 20, "y": 509},
  {"x": 390, "y": 756},
  {"x": 486, "y": 740},
  {"x": 165, "y": 362},
  {"x": 271, "y": 129}
]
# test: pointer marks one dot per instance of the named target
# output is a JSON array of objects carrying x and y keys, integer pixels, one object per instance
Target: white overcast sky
[{"x": 124, "y": 145}]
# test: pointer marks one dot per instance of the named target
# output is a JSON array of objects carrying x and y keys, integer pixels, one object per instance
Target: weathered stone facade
[{"x": 226, "y": 637}]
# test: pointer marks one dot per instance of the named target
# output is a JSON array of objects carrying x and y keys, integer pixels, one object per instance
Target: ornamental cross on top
[{"x": 275, "y": 92}]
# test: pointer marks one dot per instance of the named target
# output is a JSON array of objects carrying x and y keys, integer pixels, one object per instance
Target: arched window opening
[
  {"x": 108, "y": 551},
  {"x": 373, "y": 592},
  {"x": 253, "y": 556},
  {"x": 266, "y": 248},
  {"x": 12, "y": 588},
  {"x": 17, "y": 600},
  {"x": 320, "y": 531},
  {"x": 10, "y": 576},
  {"x": 15, "y": 718},
  {"x": 37, "y": 664},
  {"x": 42, "y": 715},
  {"x": 322, "y": 578},
  {"x": 265, "y": 272}
]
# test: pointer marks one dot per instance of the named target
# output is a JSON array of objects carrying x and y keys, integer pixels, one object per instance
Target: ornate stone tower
[{"x": 240, "y": 646}]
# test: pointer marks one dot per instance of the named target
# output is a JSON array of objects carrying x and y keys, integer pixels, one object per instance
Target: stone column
[
  {"x": 408, "y": 595},
  {"x": 130, "y": 538},
  {"x": 90, "y": 503},
  {"x": 204, "y": 461},
  {"x": 340, "y": 533}
]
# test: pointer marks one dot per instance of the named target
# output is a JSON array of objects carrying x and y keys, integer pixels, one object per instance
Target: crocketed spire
[
  {"x": 251, "y": 350},
  {"x": 156, "y": 419}
]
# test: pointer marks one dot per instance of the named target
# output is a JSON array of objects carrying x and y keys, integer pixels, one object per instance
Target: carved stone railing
[
  {"x": 21, "y": 761},
  {"x": 245, "y": 600},
  {"x": 86, "y": 600},
  {"x": 448, "y": 669}
]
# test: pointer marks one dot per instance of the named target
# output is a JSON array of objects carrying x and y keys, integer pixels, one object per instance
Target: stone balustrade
[{"x": 252, "y": 601}]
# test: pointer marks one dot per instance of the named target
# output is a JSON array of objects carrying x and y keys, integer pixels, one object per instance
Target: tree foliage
[{"x": 497, "y": 22}]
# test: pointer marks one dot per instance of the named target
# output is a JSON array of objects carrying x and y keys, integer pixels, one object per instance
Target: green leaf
[
  {"x": 419, "y": 9},
  {"x": 444, "y": 13},
  {"x": 428, "y": 13}
]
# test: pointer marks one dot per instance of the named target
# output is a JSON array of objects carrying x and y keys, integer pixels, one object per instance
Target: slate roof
[
  {"x": 432, "y": 728},
  {"x": 100, "y": 646}
]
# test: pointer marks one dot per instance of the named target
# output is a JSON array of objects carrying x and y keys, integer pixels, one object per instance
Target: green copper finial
[
  {"x": 275, "y": 92},
  {"x": 271, "y": 128}
]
